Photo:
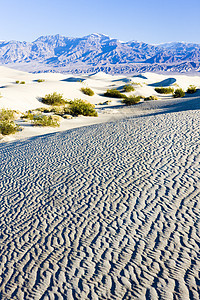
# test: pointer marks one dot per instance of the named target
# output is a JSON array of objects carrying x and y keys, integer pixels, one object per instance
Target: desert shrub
[
  {"x": 87, "y": 91},
  {"x": 40, "y": 80},
  {"x": 128, "y": 88},
  {"x": 28, "y": 115},
  {"x": 191, "y": 89},
  {"x": 43, "y": 109},
  {"x": 164, "y": 90},
  {"x": 7, "y": 114},
  {"x": 8, "y": 127},
  {"x": 43, "y": 120},
  {"x": 136, "y": 83},
  {"x": 81, "y": 107},
  {"x": 114, "y": 94},
  {"x": 131, "y": 100},
  {"x": 151, "y": 98},
  {"x": 17, "y": 81},
  {"x": 54, "y": 99},
  {"x": 66, "y": 116},
  {"x": 178, "y": 93},
  {"x": 22, "y": 82}
]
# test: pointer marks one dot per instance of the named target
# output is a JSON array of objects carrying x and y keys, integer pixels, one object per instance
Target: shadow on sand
[{"x": 166, "y": 82}]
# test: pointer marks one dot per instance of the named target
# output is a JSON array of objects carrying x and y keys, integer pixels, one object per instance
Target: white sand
[{"x": 108, "y": 211}]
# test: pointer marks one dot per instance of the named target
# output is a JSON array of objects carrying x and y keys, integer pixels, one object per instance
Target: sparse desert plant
[
  {"x": 22, "y": 82},
  {"x": 136, "y": 83},
  {"x": 164, "y": 90},
  {"x": 131, "y": 100},
  {"x": 58, "y": 110},
  {"x": 150, "y": 98},
  {"x": 128, "y": 88},
  {"x": 113, "y": 93},
  {"x": 67, "y": 116},
  {"x": 54, "y": 99},
  {"x": 29, "y": 115},
  {"x": 40, "y": 80},
  {"x": 178, "y": 93},
  {"x": 191, "y": 89},
  {"x": 43, "y": 109},
  {"x": 43, "y": 120},
  {"x": 8, "y": 127},
  {"x": 17, "y": 81},
  {"x": 7, "y": 114},
  {"x": 81, "y": 107},
  {"x": 87, "y": 91}
]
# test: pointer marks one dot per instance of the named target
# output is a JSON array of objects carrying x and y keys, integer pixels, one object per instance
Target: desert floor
[{"x": 106, "y": 211}]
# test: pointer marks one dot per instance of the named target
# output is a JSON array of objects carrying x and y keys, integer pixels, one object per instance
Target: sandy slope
[
  {"x": 24, "y": 97},
  {"x": 109, "y": 211}
]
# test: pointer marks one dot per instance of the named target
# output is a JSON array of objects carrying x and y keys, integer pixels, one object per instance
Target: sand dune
[{"x": 107, "y": 211}]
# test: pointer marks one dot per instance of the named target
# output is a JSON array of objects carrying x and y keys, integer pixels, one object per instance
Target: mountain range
[{"x": 98, "y": 52}]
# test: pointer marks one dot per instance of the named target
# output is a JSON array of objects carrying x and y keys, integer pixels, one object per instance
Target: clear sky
[{"x": 151, "y": 21}]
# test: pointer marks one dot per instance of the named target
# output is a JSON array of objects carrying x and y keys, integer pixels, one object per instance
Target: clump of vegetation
[
  {"x": 81, "y": 107},
  {"x": 131, "y": 100},
  {"x": 54, "y": 99},
  {"x": 28, "y": 115},
  {"x": 113, "y": 93},
  {"x": 17, "y": 81},
  {"x": 40, "y": 80},
  {"x": 43, "y": 120},
  {"x": 150, "y": 98},
  {"x": 87, "y": 91},
  {"x": 105, "y": 103},
  {"x": 7, "y": 114},
  {"x": 43, "y": 109},
  {"x": 178, "y": 93},
  {"x": 137, "y": 83},
  {"x": 129, "y": 88},
  {"x": 22, "y": 82},
  {"x": 8, "y": 127},
  {"x": 164, "y": 90},
  {"x": 191, "y": 89}
]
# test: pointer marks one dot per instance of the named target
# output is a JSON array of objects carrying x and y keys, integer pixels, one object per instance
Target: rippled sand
[{"x": 109, "y": 211}]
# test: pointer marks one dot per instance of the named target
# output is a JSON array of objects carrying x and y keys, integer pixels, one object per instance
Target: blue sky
[{"x": 151, "y": 21}]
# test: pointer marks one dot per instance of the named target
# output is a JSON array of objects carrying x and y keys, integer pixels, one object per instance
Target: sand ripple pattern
[{"x": 109, "y": 211}]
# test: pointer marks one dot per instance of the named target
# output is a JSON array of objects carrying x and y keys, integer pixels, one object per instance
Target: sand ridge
[{"x": 109, "y": 211}]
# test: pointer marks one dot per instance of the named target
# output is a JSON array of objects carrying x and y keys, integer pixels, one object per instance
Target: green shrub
[
  {"x": 151, "y": 98},
  {"x": 114, "y": 94},
  {"x": 7, "y": 114},
  {"x": 40, "y": 80},
  {"x": 164, "y": 90},
  {"x": 137, "y": 83},
  {"x": 131, "y": 100},
  {"x": 17, "y": 81},
  {"x": 191, "y": 89},
  {"x": 87, "y": 91},
  {"x": 43, "y": 120},
  {"x": 128, "y": 88},
  {"x": 8, "y": 127},
  {"x": 28, "y": 115},
  {"x": 43, "y": 109},
  {"x": 54, "y": 99},
  {"x": 178, "y": 93},
  {"x": 81, "y": 107},
  {"x": 22, "y": 82}
]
